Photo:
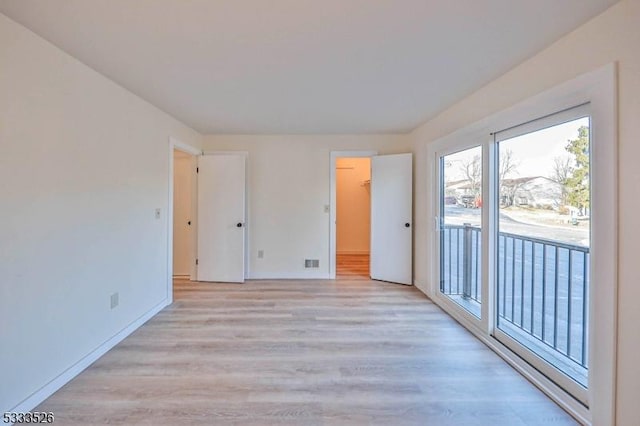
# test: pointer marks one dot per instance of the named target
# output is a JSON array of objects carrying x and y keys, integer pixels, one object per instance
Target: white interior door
[
  {"x": 391, "y": 213},
  {"x": 221, "y": 217}
]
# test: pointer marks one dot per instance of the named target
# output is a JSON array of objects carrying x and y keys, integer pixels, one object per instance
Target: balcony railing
[
  {"x": 542, "y": 291},
  {"x": 460, "y": 265}
]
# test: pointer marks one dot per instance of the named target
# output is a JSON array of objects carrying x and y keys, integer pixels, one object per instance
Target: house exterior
[{"x": 537, "y": 191}]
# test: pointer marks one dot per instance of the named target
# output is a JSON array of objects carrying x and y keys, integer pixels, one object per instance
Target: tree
[
  {"x": 472, "y": 170},
  {"x": 578, "y": 183},
  {"x": 561, "y": 171},
  {"x": 508, "y": 166}
]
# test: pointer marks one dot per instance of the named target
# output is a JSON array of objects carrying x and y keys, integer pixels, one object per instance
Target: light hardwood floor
[
  {"x": 352, "y": 266},
  {"x": 301, "y": 353}
]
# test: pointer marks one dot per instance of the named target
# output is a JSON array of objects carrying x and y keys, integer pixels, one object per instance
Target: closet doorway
[
  {"x": 353, "y": 217},
  {"x": 184, "y": 214}
]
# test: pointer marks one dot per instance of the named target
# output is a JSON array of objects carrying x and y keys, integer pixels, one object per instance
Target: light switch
[{"x": 115, "y": 300}]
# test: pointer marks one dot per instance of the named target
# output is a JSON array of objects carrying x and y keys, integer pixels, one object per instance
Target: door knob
[
  {"x": 189, "y": 223},
  {"x": 239, "y": 225},
  {"x": 406, "y": 225}
]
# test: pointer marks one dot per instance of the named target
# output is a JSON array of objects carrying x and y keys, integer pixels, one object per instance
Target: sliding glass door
[
  {"x": 543, "y": 244},
  {"x": 536, "y": 234}
]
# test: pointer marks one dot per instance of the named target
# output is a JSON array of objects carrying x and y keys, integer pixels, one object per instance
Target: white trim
[
  {"x": 489, "y": 242},
  {"x": 315, "y": 275},
  {"x": 66, "y": 376},
  {"x": 181, "y": 146},
  {"x": 245, "y": 153},
  {"x": 604, "y": 237},
  {"x": 543, "y": 366},
  {"x": 600, "y": 90},
  {"x": 536, "y": 124},
  {"x": 175, "y": 144},
  {"x": 334, "y": 155}
]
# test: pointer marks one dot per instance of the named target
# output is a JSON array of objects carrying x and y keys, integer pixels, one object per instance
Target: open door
[
  {"x": 391, "y": 213},
  {"x": 184, "y": 213},
  {"x": 221, "y": 217}
]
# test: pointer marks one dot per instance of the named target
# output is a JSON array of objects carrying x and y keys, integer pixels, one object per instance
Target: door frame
[
  {"x": 175, "y": 144},
  {"x": 334, "y": 155}
]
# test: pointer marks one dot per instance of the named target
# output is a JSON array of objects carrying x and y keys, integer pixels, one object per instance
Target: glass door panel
[
  {"x": 543, "y": 244},
  {"x": 460, "y": 228}
]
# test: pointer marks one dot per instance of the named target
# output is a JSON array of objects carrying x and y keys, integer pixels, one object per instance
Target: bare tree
[
  {"x": 472, "y": 170},
  {"x": 508, "y": 166},
  {"x": 561, "y": 172}
]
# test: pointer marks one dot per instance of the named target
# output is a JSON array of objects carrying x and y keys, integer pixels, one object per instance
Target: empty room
[{"x": 346, "y": 212}]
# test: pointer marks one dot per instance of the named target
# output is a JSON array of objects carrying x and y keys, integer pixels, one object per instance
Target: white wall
[
  {"x": 83, "y": 166},
  {"x": 353, "y": 205},
  {"x": 288, "y": 187},
  {"x": 612, "y": 36},
  {"x": 183, "y": 208}
]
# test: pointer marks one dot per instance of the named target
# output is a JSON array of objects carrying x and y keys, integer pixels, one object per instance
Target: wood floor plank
[
  {"x": 288, "y": 352},
  {"x": 352, "y": 266}
]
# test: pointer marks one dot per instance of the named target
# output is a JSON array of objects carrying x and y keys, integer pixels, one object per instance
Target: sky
[{"x": 534, "y": 152}]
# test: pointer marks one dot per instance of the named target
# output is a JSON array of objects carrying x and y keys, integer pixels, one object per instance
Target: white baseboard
[
  {"x": 293, "y": 276},
  {"x": 422, "y": 287},
  {"x": 66, "y": 376},
  {"x": 352, "y": 252}
]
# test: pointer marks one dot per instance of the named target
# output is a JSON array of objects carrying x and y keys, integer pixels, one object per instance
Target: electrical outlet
[
  {"x": 158, "y": 211},
  {"x": 115, "y": 300},
  {"x": 260, "y": 254}
]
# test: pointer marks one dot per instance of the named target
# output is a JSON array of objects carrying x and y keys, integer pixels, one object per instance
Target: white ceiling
[{"x": 301, "y": 66}]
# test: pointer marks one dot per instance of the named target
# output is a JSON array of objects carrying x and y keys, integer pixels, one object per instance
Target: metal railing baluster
[
  {"x": 477, "y": 260},
  {"x": 504, "y": 278},
  {"x": 466, "y": 261},
  {"x": 585, "y": 271},
  {"x": 458, "y": 263},
  {"x": 450, "y": 258},
  {"x": 533, "y": 274},
  {"x": 569, "y": 298},
  {"x": 513, "y": 279},
  {"x": 544, "y": 287},
  {"x": 522, "y": 284},
  {"x": 555, "y": 302}
]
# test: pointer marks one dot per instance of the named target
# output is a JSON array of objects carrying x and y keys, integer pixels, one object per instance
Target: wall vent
[{"x": 311, "y": 263}]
